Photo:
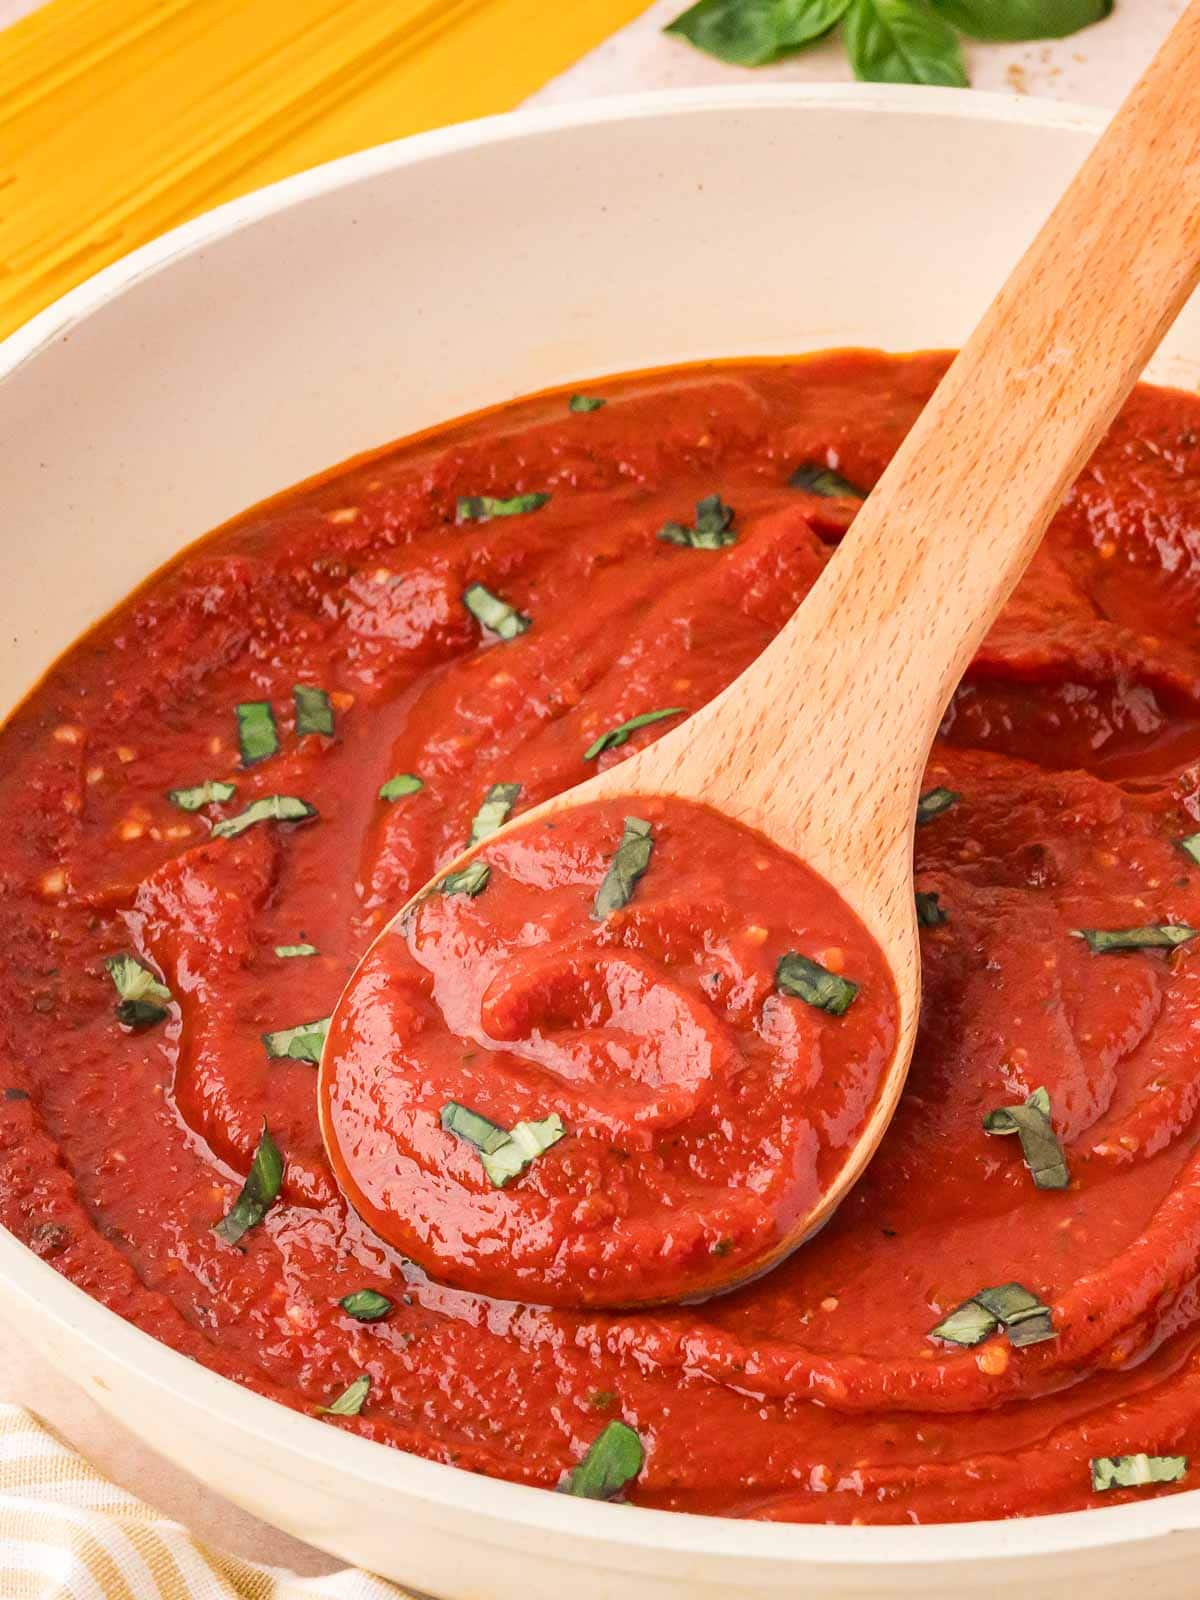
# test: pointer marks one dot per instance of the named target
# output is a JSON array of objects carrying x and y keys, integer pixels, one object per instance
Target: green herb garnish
[
  {"x": 615, "y": 737},
  {"x": 495, "y": 614},
  {"x": 143, "y": 998},
  {"x": 259, "y": 1191},
  {"x": 815, "y": 479},
  {"x": 929, "y": 910},
  {"x": 814, "y": 984},
  {"x": 585, "y": 402},
  {"x": 613, "y": 1459},
  {"x": 471, "y": 879},
  {"x": 1157, "y": 936},
  {"x": 713, "y": 529},
  {"x": 482, "y": 507},
  {"x": 350, "y": 1402},
  {"x": 933, "y": 802},
  {"x": 314, "y": 710},
  {"x": 1010, "y": 1306},
  {"x": 304, "y": 1042},
  {"x": 403, "y": 783},
  {"x": 271, "y": 808},
  {"x": 1191, "y": 847},
  {"x": 287, "y": 952},
  {"x": 504, "y": 1152},
  {"x": 1041, "y": 1149},
  {"x": 631, "y": 859},
  {"x": 494, "y": 812},
  {"x": 210, "y": 793},
  {"x": 257, "y": 734},
  {"x": 366, "y": 1305},
  {"x": 1135, "y": 1472}
]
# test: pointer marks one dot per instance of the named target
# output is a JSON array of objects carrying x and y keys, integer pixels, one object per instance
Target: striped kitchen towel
[{"x": 67, "y": 1533}]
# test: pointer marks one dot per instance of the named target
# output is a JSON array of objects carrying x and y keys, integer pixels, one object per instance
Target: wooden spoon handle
[{"x": 936, "y": 549}]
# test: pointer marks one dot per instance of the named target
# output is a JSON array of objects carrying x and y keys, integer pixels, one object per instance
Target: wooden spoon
[{"x": 822, "y": 742}]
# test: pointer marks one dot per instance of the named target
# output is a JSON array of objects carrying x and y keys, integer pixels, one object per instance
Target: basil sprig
[
  {"x": 614, "y": 1458},
  {"x": 304, "y": 1042},
  {"x": 259, "y": 1191},
  {"x": 1136, "y": 1472},
  {"x": 504, "y": 1152},
  {"x": 713, "y": 528},
  {"x": 351, "y": 1400},
  {"x": 210, "y": 793},
  {"x": 403, "y": 783},
  {"x": 1191, "y": 847},
  {"x": 933, "y": 802},
  {"x": 1155, "y": 936},
  {"x": 494, "y": 812},
  {"x": 483, "y": 507},
  {"x": 142, "y": 998},
  {"x": 258, "y": 737},
  {"x": 830, "y": 485},
  {"x": 809, "y": 981},
  {"x": 496, "y": 615},
  {"x": 1039, "y": 1144},
  {"x": 314, "y": 710},
  {"x": 471, "y": 879},
  {"x": 631, "y": 859},
  {"x": 270, "y": 808},
  {"x": 888, "y": 41},
  {"x": 288, "y": 952},
  {"x": 1024, "y": 1318},
  {"x": 366, "y": 1305},
  {"x": 615, "y": 737},
  {"x": 930, "y": 912},
  {"x": 585, "y": 402}
]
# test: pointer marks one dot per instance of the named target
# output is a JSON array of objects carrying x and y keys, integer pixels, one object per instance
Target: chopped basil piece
[
  {"x": 969, "y": 1324},
  {"x": 314, "y": 713},
  {"x": 929, "y": 910},
  {"x": 1157, "y": 936},
  {"x": 816, "y": 479},
  {"x": 257, "y": 736},
  {"x": 286, "y": 952},
  {"x": 585, "y": 402},
  {"x": 1009, "y": 1306},
  {"x": 933, "y": 802},
  {"x": 143, "y": 999},
  {"x": 271, "y": 808},
  {"x": 1042, "y": 1151},
  {"x": 210, "y": 793},
  {"x": 494, "y": 812},
  {"x": 260, "y": 1189},
  {"x": 471, "y": 879},
  {"x": 630, "y": 860},
  {"x": 495, "y": 614},
  {"x": 615, "y": 737},
  {"x": 613, "y": 1459},
  {"x": 1135, "y": 1472},
  {"x": 505, "y": 1153},
  {"x": 481, "y": 507},
  {"x": 350, "y": 1402},
  {"x": 304, "y": 1042},
  {"x": 814, "y": 984},
  {"x": 366, "y": 1305},
  {"x": 1191, "y": 846},
  {"x": 403, "y": 783},
  {"x": 713, "y": 529}
]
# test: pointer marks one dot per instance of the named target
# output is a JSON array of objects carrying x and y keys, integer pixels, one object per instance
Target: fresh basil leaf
[
  {"x": 713, "y": 529},
  {"x": 933, "y": 802},
  {"x": 902, "y": 41},
  {"x": 350, "y": 1402},
  {"x": 314, "y": 710},
  {"x": 259, "y": 1191},
  {"x": 257, "y": 734},
  {"x": 929, "y": 910},
  {"x": 482, "y": 507},
  {"x": 631, "y": 859},
  {"x": 495, "y": 614},
  {"x": 271, "y": 808},
  {"x": 1039, "y": 1145},
  {"x": 210, "y": 793},
  {"x": 504, "y": 1152},
  {"x": 1009, "y": 1306},
  {"x": 1191, "y": 847},
  {"x": 1135, "y": 1472},
  {"x": 403, "y": 783},
  {"x": 585, "y": 402},
  {"x": 1014, "y": 21},
  {"x": 471, "y": 879},
  {"x": 814, "y": 984},
  {"x": 816, "y": 479},
  {"x": 287, "y": 952},
  {"x": 366, "y": 1305},
  {"x": 968, "y": 1324},
  {"x": 304, "y": 1042},
  {"x": 1157, "y": 936},
  {"x": 620, "y": 734},
  {"x": 613, "y": 1460},
  {"x": 749, "y": 33},
  {"x": 143, "y": 999},
  {"x": 494, "y": 812}
]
